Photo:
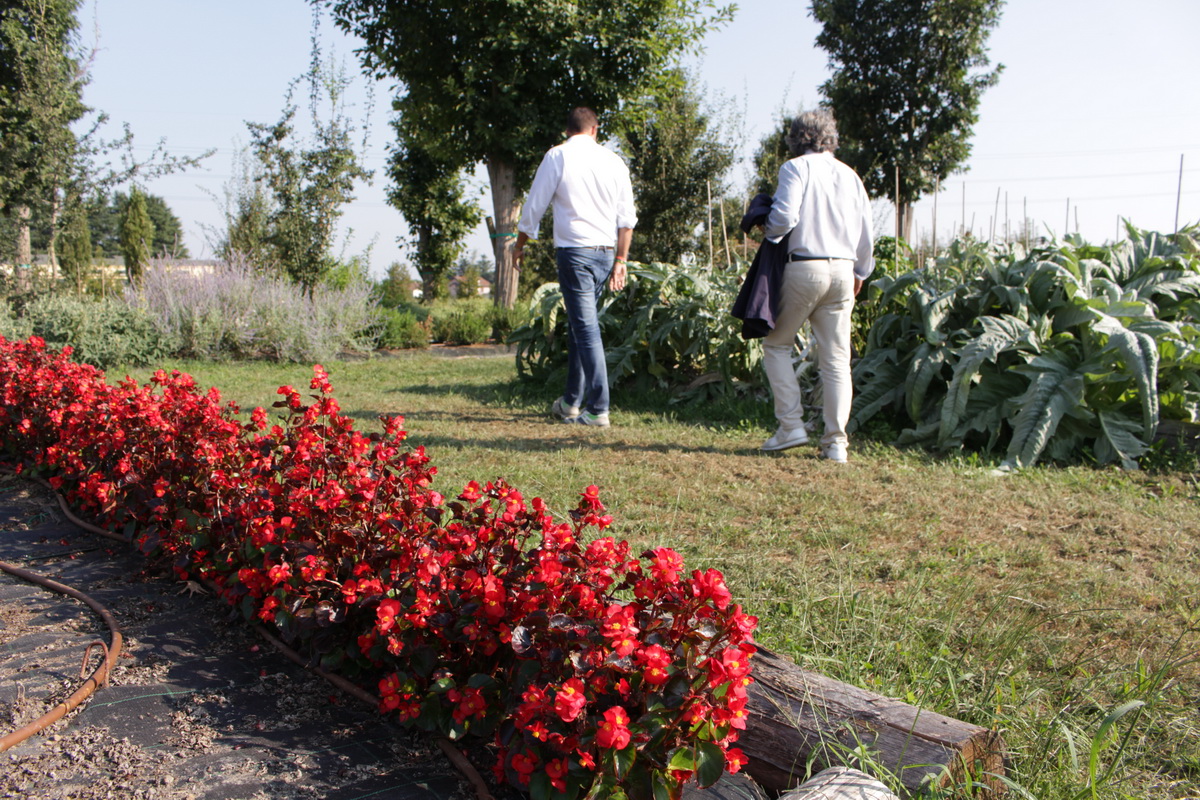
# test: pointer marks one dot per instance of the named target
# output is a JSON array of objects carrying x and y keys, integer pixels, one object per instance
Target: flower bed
[{"x": 597, "y": 673}]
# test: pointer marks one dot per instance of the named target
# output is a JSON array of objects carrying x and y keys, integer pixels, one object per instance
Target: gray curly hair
[{"x": 813, "y": 132}]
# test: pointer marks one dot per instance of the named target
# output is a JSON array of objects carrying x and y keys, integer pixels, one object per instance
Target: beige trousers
[{"x": 822, "y": 294}]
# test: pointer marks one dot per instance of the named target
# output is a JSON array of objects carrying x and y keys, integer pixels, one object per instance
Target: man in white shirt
[
  {"x": 823, "y": 209},
  {"x": 589, "y": 187}
]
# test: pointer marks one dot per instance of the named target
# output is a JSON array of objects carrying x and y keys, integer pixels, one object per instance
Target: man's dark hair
[{"x": 581, "y": 120}]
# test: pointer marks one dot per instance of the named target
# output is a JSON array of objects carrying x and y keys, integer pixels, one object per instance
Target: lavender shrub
[{"x": 233, "y": 310}]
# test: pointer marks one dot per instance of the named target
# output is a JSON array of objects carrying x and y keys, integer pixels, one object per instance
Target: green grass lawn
[{"x": 1036, "y": 603}]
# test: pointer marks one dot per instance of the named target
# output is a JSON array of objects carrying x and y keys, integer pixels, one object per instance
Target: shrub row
[
  {"x": 596, "y": 673},
  {"x": 669, "y": 327},
  {"x": 238, "y": 311},
  {"x": 1057, "y": 351}
]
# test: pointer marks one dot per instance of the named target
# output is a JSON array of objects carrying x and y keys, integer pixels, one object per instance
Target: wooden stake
[
  {"x": 897, "y": 210},
  {"x": 708, "y": 184},
  {"x": 1025, "y": 220},
  {"x": 995, "y": 217},
  {"x": 725, "y": 238},
  {"x": 937, "y": 188},
  {"x": 1179, "y": 193}
]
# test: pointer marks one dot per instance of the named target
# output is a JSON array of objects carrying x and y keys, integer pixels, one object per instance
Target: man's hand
[
  {"x": 519, "y": 250},
  {"x": 857, "y": 286},
  {"x": 616, "y": 281}
]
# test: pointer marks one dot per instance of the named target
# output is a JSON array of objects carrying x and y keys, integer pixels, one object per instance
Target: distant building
[{"x": 484, "y": 290}]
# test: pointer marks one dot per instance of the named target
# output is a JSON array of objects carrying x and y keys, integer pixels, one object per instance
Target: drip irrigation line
[
  {"x": 62, "y": 503},
  {"x": 460, "y": 761},
  {"x": 99, "y": 676}
]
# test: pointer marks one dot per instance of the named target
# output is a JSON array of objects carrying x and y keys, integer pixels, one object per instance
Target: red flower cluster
[{"x": 592, "y": 669}]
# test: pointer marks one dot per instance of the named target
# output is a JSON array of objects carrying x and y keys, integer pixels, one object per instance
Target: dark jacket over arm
[{"x": 758, "y": 300}]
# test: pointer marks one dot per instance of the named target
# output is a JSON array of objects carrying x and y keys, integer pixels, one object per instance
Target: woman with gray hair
[{"x": 823, "y": 215}]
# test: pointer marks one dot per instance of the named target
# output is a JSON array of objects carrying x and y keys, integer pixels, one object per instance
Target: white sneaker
[
  {"x": 588, "y": 418},
  {"x": 785, "y": 438},
  {"x": 563, "y": 411},
  {"x": 835, "y": 452}
]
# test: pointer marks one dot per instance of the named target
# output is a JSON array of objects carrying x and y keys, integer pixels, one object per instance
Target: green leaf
[
  {"x": 481, "y": 681},
  {"x": 926, "y": 363},
  {"x": 682, "y": 758},
  {"x": 999, "y": 334},
  {"x": 878, "y": 382},
  {"x": 539, "y": 786},
  {"x": 1120, "y": 440},
  {"x": 1050, "y": 395},
  {"x": 1140, "y": 355},
  {"x": 710, "y": 763},
  {"x": 1100, "y": 741},
  {"x": 623, "y": 760},
  {"x": 662, "y": 789}
]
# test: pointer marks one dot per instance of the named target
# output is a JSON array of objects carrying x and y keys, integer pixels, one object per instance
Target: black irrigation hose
[
  {"x": 451, "y": 752},
  {"x": 99, "y": 676}
]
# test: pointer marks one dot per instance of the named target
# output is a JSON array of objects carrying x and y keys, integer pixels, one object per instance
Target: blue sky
[{"x": 1096, "y": 107}]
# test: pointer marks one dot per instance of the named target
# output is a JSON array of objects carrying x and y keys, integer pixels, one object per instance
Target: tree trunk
[
  {"x": 906, "y": 222},
  {"x": 24, "y": 248},
  {"x": 506, "y": 209},
  {"x": 429, "y": 275},
  {"x": 56, "y": 208}
]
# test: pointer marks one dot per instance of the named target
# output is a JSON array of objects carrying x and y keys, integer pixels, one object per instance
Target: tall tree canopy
[
  {"x": 137, "y": 232},
  {"x": 41, "y": 88},
  {"x": 431, "y": 195},
  {"x": 908, "y": 76},
  {"x": 771, "y": 154},
  {"x": 493, "y": 80},
  {"x": 678, "y": 163},
  {"x": 104, "y": 215},
  {"x": 310, "y": 181}
]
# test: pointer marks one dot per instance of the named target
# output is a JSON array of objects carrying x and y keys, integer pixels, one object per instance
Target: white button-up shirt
[
  {"x": 589, "y": 187},
  {"x": 823, "y": 202}
]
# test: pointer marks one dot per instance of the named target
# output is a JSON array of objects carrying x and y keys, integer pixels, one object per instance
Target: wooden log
[
  {"x": 1179, "y": 435},
  {"x": 797, "y": 717},
  {"x": 840, "y": 783}
]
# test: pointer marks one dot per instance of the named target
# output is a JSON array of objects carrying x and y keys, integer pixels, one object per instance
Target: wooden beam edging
[{"x": 797, "y": 717}]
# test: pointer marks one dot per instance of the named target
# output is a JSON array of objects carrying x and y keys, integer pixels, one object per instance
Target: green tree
[
  {"x": 41, "y": 87},
  {"x": 104, "y": 214},
  {"x": 771, "y": 154},
  {"x": 104, "y": 224},
  {"x": 246, "y": 207},
  {"x": 493, "y": 81},
  {"x": 431, "y": 195},
  {"x": 678, "y": 163},
  {"x": 468, "y": 283},
  {"x": 309, "y": 181},
  {"x": 75, "y": 246},
  {"x": 168, "y": 231},
  {"x": 137, "y": 233},
  {"x": 907, "y": 79},
  {"x": 396, "y": 287}
]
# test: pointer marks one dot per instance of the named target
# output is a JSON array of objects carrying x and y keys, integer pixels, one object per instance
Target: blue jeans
[{"x": 582, "y": 275}]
